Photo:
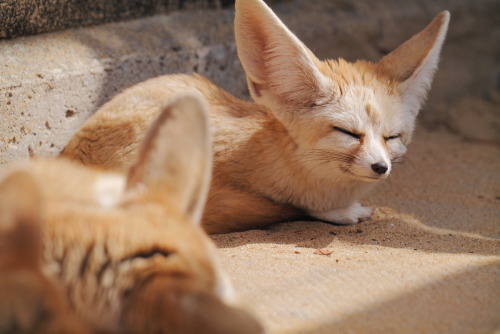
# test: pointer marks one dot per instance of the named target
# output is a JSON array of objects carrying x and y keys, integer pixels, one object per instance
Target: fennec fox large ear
[
  {"x": 413, "y": 64},
  {"x": 175, "y": 160},
  {"x": 19, "y": 221},
  {"x": 175, "y": 306},
  {"x": 280, "y": 69}
]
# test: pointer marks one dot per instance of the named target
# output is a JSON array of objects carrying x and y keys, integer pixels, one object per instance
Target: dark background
[{"x": 29, "y": 17}]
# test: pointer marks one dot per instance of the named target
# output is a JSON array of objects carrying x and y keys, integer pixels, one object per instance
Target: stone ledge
[{"x": 28, "y": 17}]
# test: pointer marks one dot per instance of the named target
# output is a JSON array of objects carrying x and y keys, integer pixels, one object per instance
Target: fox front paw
[{"x": 353, "y": 214}]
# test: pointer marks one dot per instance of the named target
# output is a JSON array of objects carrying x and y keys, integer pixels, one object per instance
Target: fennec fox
[
  {"x": 319, "y": 136},
  {"x": 126, "y": 251}
]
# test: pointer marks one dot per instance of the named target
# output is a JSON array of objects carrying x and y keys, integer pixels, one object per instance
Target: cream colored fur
[
  {"x": 319, "y": 136},
  {"x": 125, "y": 249}
]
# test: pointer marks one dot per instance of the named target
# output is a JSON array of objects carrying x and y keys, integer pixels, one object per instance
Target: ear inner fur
[
  {"x": 175, "y": 158},
  {"x": 414, "y": 63},
  {"x": 401, "y": 63},
  {"x": 279, "y": 67},
  {"x": 137, "y": 171}
]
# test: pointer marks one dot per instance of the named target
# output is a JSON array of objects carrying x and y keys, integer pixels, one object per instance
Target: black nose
[{"x": 380, "y": 168}]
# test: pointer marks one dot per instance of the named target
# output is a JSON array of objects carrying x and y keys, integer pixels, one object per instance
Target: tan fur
[
  {"x": 29, "y": 301},
  {"x": 131, "y": 260},
  {"x": 307, "y": 146}
]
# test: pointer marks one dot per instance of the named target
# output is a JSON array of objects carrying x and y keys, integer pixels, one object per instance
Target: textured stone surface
[
  {"x": 28, "y": 17},
  {"x": 50, "y": 84}
]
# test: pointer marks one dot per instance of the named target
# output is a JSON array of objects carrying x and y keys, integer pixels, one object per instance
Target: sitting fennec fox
[
  {"x": 120, "y": 253},
  {"x": 318, "y": 137}
]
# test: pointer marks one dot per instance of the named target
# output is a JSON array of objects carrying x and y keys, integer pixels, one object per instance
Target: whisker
[{"x": 312, "y": 155}]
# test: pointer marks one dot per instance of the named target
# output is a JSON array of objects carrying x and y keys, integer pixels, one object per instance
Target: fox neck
[{"x": 274, "y": 168}]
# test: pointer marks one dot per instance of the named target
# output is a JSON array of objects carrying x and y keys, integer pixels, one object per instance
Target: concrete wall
[{"x": 51, "y": 83}]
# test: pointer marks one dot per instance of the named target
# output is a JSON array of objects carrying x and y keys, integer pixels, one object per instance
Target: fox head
[
  {"x": 347, "y": 119},
  {"x": 127, "y": 247}
]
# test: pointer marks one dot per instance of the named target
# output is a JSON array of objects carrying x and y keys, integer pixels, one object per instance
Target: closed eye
[
  {"x": 349, "y": 133},
  {"x": 392, "y": 137}
]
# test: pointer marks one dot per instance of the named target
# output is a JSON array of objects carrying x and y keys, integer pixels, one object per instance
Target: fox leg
[{"x": 353, "y": 214}]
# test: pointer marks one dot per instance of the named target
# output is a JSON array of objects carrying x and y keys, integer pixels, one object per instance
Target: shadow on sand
[{"x": 388, "y": 228}]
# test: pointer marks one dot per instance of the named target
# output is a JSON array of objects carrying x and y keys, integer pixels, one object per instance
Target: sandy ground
[{"x": 427, "y": 262}]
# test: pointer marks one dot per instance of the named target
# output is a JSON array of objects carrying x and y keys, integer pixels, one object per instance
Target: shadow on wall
[
  {"x": 182, "y": 42},
  {"x": 433, "y": 308}
]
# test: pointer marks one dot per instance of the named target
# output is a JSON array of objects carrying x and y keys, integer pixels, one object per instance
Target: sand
[{"x": 427, "y": 262}]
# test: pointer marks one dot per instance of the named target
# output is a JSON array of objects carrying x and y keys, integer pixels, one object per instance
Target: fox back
[
  {"x": 125, "y": 249},
  {"x": 319, "y": 136}
]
